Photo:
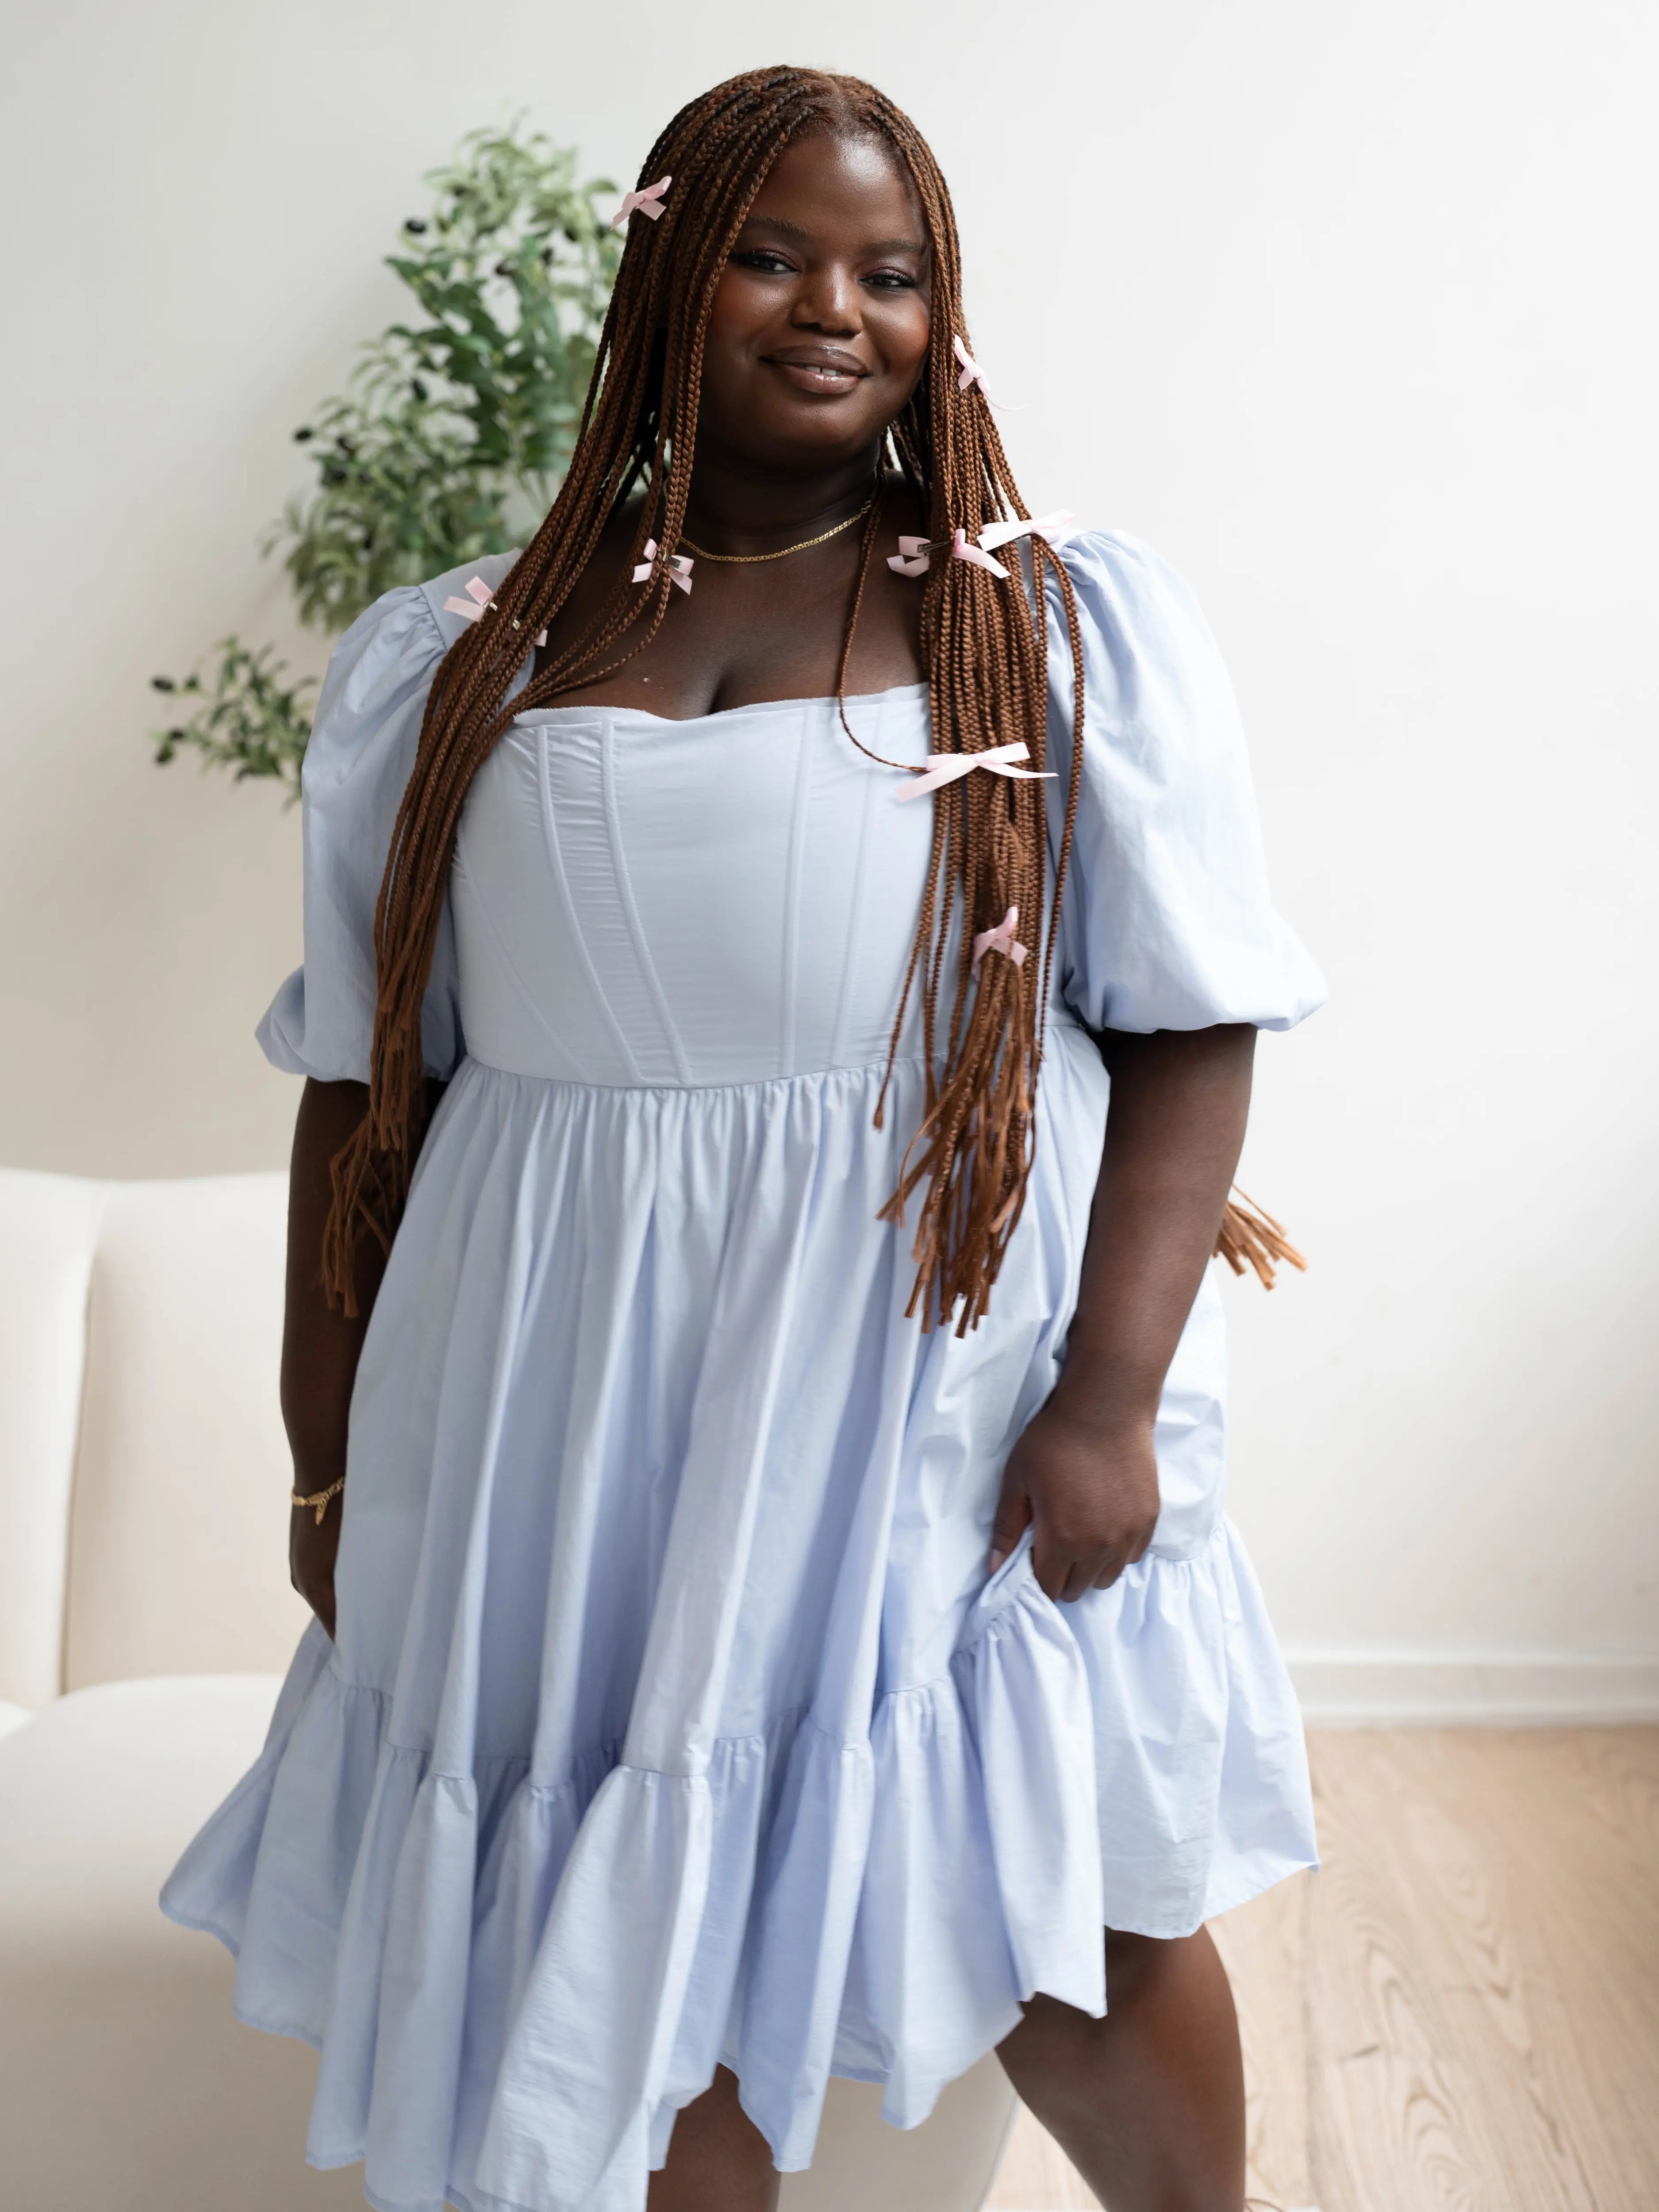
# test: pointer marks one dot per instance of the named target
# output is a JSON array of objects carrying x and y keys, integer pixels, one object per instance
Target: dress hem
[{"x": 481, "y": 2201}]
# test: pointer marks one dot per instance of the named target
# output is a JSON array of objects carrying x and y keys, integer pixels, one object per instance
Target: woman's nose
[{"x": 828, "y": 301}]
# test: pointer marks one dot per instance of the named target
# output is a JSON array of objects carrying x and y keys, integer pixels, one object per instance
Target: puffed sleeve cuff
[
  {"x": 1166, "y": 921},
  {"x": 361, "y": 751},
  {"x": 282, "y": 1030},
  {"x": 283, "y": 1037}
]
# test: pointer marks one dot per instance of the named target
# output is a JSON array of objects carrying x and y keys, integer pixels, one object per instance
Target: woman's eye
[
  {"x": 759, "y": 256},
  {"x": 892, "y": 279}
]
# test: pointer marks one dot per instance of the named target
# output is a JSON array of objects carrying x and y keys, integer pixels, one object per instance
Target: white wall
[{"x": 1347, "y": 309}]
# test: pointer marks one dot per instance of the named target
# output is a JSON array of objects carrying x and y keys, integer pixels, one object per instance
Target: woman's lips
[{"x": 830, "y": 377}]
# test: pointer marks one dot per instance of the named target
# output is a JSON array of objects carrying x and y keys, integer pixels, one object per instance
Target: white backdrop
[{"x": 1348, "y": 310}]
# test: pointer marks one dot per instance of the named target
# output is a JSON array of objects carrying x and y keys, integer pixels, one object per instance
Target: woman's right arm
[
  {"x": 321, "y": 1346},
  {"x": 362, "y": 748}
]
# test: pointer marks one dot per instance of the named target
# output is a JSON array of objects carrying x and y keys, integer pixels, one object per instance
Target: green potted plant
[{"x": 452, "y": 435}]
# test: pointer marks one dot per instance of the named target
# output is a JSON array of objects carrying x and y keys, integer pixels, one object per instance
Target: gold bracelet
[{"x": 318, "y": 1498}]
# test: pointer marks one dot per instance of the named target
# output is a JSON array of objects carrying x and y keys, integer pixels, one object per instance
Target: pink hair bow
[
  {"x": 680, "y": 567},
  {"x": 962, "y": 550},
  {"x": 971, "y": 372},
  {"x": 1002, "y": 940},
  {"x": 911, "y": 559},
  {"x": 472, "y": 607},
  {"x": 1056, "y": 528},
  {"x": 915, "y": 555},
  {"x": 945, "y": 768},
  {"x": 645, "y": 202}
]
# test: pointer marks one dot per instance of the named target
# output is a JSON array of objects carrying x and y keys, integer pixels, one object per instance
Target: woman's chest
[
  {"x": 732, "y": 899},
  {"x": 754, "y": 632}
]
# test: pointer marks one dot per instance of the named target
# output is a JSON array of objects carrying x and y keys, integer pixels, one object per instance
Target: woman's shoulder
[
  {"x": 1134, "y": 606},
  {"x": 1118, "y": 570},
  {"x": 426, "y": 616},
  {"x": 453, "y": 599},
  {"x": 384, "y": 664},
  {"x": 1150, "y": 658}
]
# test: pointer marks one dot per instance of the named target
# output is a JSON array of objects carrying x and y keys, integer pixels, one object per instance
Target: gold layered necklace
[{"x": 783, "y": 551}]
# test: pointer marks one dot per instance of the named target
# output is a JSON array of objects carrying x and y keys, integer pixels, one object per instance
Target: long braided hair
[{"x": 984, "y": 650}]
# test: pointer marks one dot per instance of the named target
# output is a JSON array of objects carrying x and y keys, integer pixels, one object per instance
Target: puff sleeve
[
  {"x": 359, "y": 759},
  {"x": 1166, "y": 922}
]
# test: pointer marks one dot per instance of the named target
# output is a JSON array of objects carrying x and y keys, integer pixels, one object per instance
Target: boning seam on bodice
[
  {"x": 474, "y": 888},
  {"x": 855, "y": 916},
  {"x": 573, "y": 921},
  {"x": 630, "y": 909},
  {"x": 791, "y": 931}
]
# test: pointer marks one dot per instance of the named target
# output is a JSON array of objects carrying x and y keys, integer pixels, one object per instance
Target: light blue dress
[{"x": 672, "y": 1719}]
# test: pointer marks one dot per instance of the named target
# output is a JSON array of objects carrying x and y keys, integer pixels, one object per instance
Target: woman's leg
[
  {"x": 718, "y": 2158},
  {"x": 1148, "y": 2104}
]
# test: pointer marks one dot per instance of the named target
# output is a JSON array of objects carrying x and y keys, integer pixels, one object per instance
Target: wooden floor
[{"x": 1460, "y": 2012}]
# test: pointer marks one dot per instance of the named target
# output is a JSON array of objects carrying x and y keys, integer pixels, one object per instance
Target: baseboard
[{"x": 1373, "y": 1688}]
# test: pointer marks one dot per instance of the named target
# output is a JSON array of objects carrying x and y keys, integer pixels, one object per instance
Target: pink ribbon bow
[
  {"x": 680, "y": 567},
  {"x": 647, "y": 203},
  {"x": 1002, "y": 940},
  {"x": 962, "y": 550},
  {"x": 915, "y": 555},
  {"x": 472, "y": 607},
  {"x": 945, "y": 768},
  {"x": 1056, "y": 528},
  {"x": 971, "y": 372},
  {"x": 911, "y": 559}
]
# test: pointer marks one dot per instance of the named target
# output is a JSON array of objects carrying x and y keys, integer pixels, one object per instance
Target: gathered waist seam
[
  {"x": 688, "y": 1090},
  {"x": 696, "y": 1089}
]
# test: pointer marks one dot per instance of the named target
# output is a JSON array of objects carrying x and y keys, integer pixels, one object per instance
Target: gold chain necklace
[{"x": 783, "y": 551}]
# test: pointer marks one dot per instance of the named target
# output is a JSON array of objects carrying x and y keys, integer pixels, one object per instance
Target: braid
[{"x": 984, "y": 643}]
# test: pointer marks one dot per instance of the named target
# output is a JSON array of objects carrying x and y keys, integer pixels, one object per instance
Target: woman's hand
[
  {"x": 1083, "y": 1477},
  {"x": 311, "y": 1549},
  {"x": 1089, "y": 1490}
]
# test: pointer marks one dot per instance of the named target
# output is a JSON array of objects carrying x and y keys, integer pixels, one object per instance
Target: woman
[{"x": 782, "y": 1613}]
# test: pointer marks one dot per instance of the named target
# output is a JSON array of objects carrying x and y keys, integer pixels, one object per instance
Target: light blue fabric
[
  {"x": 672, "y": 1717},
  {"x": 1168, "y": 924}
]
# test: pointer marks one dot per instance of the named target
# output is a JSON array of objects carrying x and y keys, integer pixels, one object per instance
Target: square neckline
[{"x": 533, "y": 716}]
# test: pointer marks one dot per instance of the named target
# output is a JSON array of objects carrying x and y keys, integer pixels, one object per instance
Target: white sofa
[{"x": 145, "y": 1617}]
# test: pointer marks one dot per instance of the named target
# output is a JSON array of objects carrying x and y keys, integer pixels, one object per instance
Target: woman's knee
[{"x": 1134, "y": 1962}]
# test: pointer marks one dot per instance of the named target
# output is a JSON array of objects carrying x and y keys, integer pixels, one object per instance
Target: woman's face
[{"x": 819, "y": 326}]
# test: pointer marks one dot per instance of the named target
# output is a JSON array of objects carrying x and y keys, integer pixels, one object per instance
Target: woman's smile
[{"x": 820, "y": 368}]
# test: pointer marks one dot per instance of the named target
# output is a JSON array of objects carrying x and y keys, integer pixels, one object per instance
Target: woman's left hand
[{"x": 1088, "y": 1490}]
